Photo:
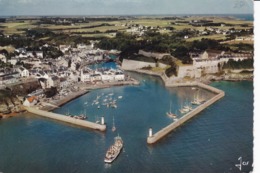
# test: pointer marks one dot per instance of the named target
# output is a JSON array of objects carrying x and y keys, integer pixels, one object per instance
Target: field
[{"x": 93, "y": 28}]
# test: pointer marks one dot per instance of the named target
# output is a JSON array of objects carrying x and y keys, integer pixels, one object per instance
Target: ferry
[{"x": 114, "y": 150}]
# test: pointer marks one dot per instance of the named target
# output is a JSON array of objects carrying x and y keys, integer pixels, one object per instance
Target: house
[
  {"x": 95, "y": 77},
  {"x": 64, "y": 82},
  {"x": 8, "y": 76},
  {"x": 119, "y": 76},
  {"x": 85, "y": 76},
  {"x": 43, "y": 82},
  {"x": 38, "y": 54},
  {"x": 39, "y": 74},
  {"x": 73, "y": 76},
  {"x": 3, "y": 58},
  {"x": 30, "y": 101},
  {"x": 5, "y": 80},
  {"x": 53, "y": 81},
  {"x": 211, "y": 54},
  {"x": 235, "y": 56},
  {"x": 107, "y": 76},
  {"x": 13, "y": 60},
  {"x": 64, "y": 48},
  {"x": 63, "y": 62},
  {"x": 23, "y": 72}
]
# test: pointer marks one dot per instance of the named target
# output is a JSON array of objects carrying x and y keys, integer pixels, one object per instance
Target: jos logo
[{"x": 241, "y": 164}]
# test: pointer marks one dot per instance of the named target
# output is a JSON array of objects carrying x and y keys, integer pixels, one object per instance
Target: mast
[
  {"x": 170, "y": 107},
  {"x": 114, "y": 127}
]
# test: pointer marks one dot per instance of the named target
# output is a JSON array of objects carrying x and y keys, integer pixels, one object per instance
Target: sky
[{"x": 123, "y": 7}]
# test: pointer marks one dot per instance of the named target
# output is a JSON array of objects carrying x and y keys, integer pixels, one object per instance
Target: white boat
[
  {"x": 170, "y": 114},
  {"x": 185, "y": 109},
  {"x": 114, "y": 150},
  {"x": 194, "y": 88},
  {"x": 196, "y": 100},
  {"x": 120, "y": 97},
  {"x": 113, "y": 105}
]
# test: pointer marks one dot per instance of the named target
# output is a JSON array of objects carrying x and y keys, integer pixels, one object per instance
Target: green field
[{"x": 13, "y": 27}]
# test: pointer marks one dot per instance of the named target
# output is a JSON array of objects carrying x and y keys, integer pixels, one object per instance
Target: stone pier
[
  {"x": 166, "y": 130},
  {"x": 67, "y": 119}
]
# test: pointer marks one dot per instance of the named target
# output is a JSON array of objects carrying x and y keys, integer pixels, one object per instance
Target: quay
[
  {"x": 153, "y": 138},
  {"x": 67, "y": 119}
]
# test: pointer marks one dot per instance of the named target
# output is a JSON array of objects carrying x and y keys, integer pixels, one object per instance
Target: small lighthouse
[
  {"x": 150, "y": 132},
  {"x": 102, "y": 120}
]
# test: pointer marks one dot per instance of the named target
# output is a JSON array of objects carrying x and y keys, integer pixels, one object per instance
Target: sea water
[{"x": 212, "y": 141}]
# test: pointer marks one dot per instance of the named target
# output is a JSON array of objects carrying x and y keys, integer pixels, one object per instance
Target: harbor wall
[
  {"x": 67, "y": 119},
  {"x": 163, "y": 132}
]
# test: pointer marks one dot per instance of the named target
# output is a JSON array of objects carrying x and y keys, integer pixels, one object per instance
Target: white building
[
  {"x": 30, "y": 101},
  {"x": 107, "y": 76},
  {"x": 95, "y": 77},
  {"x": 38, "y": 54},
  {"x": 85, "y": 76},
  {"x": 64, "y": 82},
  {"x": 119, "y": 76},
  {"x": 23, "y": 72},
  {"x": 3, "y": 58},
  {"x": 53, "y": 81}
]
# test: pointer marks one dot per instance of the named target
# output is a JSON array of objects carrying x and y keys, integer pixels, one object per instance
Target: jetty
[
  {"x": 153, "y": 138},
  {"x": 67, "y": 119}
]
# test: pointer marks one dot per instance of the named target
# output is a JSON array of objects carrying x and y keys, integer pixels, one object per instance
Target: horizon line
[{"x": 179, "y": 14}]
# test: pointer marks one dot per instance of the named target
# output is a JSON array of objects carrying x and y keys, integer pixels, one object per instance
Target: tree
[{"x": 182, "y": 53}]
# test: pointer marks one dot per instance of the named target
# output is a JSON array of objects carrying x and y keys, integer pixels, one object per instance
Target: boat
[
  {"x": 114, "y": 106},
  {"x": 185, "y": 109},
  {"x": 114, "y": 150},
  {"x": 194, "y": 88},
  {"x": 114, "y": 127},
  {"x": 170, "y": 114},
  {"x": 196, "y": 100},
  {"x": 120, "y": 97}
]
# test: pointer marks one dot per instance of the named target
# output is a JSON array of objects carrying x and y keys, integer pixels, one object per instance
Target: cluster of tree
[
  {"x": 16, "y": 41},
  {"x": 50, "y": 92},
  {"x": 5, "y": 65},
  {"x": 168, "y": 60},
  {"x": 171, "y": 71},
  {"x": 172, "y": 18},
  {"x": 2, "y": 20},
  {"x": 51, "y": 52},
  {"x": 82, "y": 27},
  {"x": 39, "y": 33},
  {"x": 157, "y": 42},
  {"x": 231, "y": 64}
]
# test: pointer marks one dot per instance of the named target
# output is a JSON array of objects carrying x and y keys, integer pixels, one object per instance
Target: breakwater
[
  {"x": 152, "y": 138},
  {"x": 67, "y": 119}
]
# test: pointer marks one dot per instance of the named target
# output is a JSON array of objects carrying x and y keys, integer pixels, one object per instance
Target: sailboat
[
  {"x": 114, "y": 127},
  {"x": 170, "y": 114},
  {"x": 185, "y": 109},
  {"x": 196, "y": 100}
]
